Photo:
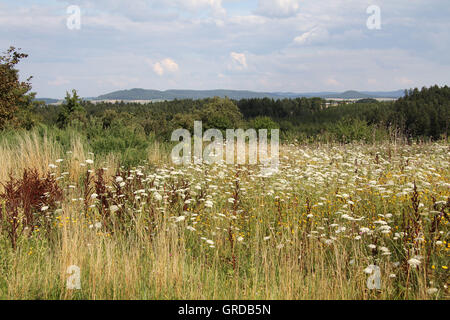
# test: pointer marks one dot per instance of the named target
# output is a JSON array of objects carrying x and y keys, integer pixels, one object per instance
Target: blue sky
[{"x": 261, "y": 45}]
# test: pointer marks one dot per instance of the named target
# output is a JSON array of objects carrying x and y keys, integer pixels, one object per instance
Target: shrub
[{"x": 26, "y": 202}]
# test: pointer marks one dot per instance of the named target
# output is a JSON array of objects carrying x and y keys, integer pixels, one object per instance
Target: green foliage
[
  {"x": 128, "y": 128},
  {"x": 267, "y": 123},
  {"x": 16, "y": 101},
  {"x": 424, "y": 113},
  {"x": 72, "y": 111},
  {"x": 349, "y": 130},
  {"x": 263, "y": 123},
  {"x": 367, "y": 100},
  {"x": 220, "y": 114},
  {"x": 120, "y": 136}
]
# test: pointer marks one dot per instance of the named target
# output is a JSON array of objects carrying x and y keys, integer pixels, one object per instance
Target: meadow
[{"x": 332, "y": 220}]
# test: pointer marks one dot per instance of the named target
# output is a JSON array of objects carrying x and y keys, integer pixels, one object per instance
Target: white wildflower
[
  {"x": 157, "y": 196},
  {"x": 432, "y": 290},
  {"x": 368, "y": 270},
  {"x": 180, "y": 218},
  {"x": 414, "y": 262},
  {"x": 208, "y": 204}
]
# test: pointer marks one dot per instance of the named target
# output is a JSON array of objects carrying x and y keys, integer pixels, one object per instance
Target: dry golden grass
[
  {"x": 174, "y": 263},
  {"x": 25, "y": 151}
]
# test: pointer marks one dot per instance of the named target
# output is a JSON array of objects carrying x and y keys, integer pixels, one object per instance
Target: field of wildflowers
[{"x": 354, "y": 221}]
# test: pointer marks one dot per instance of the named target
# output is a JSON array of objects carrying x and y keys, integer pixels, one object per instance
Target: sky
[{"x": 258, "y": 45}]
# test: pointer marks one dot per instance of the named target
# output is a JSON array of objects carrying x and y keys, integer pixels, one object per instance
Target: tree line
[{"x": 121, "y": 126}]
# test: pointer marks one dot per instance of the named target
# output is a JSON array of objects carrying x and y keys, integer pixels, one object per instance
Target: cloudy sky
[{"x": 261, "y": 45}]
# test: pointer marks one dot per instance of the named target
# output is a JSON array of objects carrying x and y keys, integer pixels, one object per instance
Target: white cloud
[
  {"x": 35, "y": 17},
  {"x": 159, "y": 70},
  {"x": 316, "y": 34},
  {"x": 278, "y": 8},
  {"x": 142, "y": 10},
  {"x": 170, "y": 65},
  {"x": 255, "y": 49},
  {"x": 164, "y": 66},
  {"x": 215, "y": 5},
  {"x": 239, "y": 59}
]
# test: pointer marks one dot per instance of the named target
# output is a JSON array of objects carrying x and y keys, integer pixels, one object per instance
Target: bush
[{"x": 27, "y": 201}]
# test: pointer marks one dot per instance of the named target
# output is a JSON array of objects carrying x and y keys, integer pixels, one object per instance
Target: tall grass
[{"x": 277, "y": 239}]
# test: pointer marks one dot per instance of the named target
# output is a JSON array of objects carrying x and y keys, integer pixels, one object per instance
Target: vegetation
[
  {"x": 15, "y": 99},
  {"x": 361, "y": 194},
  {"x": 126, "y": 127},
  {"x": 122, "y": 127},
  {"x": 225, "y": 231}
]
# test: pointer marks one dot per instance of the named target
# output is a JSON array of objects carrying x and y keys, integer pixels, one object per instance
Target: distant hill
[
  {"x": 390, "y": 94},
  {"x": 348, "y": 95},
  {"x": 365, "y": 95},
  {"x": 47, "y": 100},
  {"x": 144, "y": 94},
  {"x": 138, "y": 94}
]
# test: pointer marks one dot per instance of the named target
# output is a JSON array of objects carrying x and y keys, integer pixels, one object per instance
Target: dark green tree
[
  {"x": 220, "y": 113},
  {"x": 71, "y": 110}
]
